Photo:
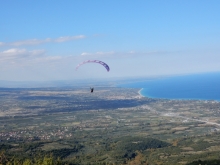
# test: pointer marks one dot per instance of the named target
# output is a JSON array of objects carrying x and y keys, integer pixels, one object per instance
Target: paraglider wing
[{"x": 94, "y": 61}]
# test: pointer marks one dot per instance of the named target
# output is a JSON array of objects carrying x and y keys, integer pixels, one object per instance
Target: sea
[{"x": 204, "y": 86}]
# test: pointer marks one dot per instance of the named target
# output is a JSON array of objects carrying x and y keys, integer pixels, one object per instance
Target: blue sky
[{"x": 45, "y": 40}]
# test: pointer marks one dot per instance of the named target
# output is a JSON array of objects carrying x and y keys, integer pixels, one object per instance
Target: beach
[{"x": 139, "y": 92}]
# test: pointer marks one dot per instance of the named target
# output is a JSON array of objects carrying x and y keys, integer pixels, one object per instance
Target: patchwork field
[{"x": 109, "y": 126}]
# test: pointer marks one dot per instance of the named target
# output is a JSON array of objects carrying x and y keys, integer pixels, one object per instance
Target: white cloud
[
  {"x": 16, "y": 54},
  {"x": 97, "y": 53},
  {"x": 37, "y": 41},
  {"x": 29, "y": 42},
  {"x": 32, "y": 58},
  {"x": 12, "y": 51},
  {"x": 123, "y": 54},
  {"x": 68, "y": 38}
]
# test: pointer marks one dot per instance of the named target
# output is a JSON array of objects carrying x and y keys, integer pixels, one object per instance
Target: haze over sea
[{"x": 188, "y": 87}]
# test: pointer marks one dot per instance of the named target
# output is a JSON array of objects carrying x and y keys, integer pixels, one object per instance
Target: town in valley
[{"x": 112, "y": 125}]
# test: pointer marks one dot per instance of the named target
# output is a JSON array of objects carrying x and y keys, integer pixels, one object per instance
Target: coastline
[
  {"x": 182, "y": 99},
  {"x": 139, "y": 92}
]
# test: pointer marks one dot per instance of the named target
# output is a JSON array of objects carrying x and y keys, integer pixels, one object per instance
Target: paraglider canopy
[{"x": 94, "y": 61}]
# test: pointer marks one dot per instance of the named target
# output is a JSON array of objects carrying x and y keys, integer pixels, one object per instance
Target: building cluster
[{"x": 35, "y": 135}]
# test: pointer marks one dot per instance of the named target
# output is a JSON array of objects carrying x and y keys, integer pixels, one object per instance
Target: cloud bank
[
  {"x": 12, "y": 54},
  {"x": 24, "y": 57},
  {"x": 97, "y": 53},
  {"x": 122, "y": 54},
  {"x": 43, "y": 41}
]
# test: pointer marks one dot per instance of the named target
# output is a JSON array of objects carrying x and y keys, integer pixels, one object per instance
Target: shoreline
[
  {"x": 182, "y": 99},
  {"x": 139, "y": 92}
]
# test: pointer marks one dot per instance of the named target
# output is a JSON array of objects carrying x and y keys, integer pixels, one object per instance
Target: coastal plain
[{"x": 109, "y": 126}]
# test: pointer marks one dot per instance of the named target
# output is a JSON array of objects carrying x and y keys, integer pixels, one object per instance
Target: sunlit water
[{"x": 200, "y": 86}]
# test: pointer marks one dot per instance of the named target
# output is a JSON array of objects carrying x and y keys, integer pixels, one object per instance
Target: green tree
[{"x": 27, "y": 162}]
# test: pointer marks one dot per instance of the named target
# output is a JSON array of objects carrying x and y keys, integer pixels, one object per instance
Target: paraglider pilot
[{"x": 91, "y": 89}]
